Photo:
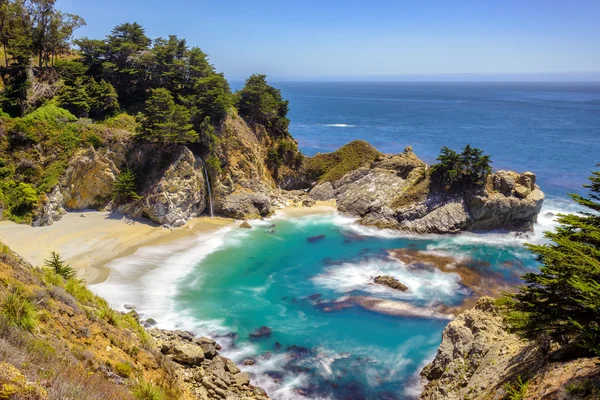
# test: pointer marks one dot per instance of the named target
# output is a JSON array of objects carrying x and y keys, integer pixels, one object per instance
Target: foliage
[
  {"x": 468, "y": 168},
  {"x": 124, "y": 370},
  {"x": 18, "y": 311},
  {"x": 50, "y": 114},
  {"x": 147, "y": 391},
  {"x": 124, "y": 187},
  {"x": 517, "y": 390},
  {"x": 328, "y": 167},
  {"x": 563, "y": 299},
  {"x": 263, "y": 104},
  {"x": 89, "y": 98},
  {"x": 164, "y": 121},
  {"x": 59, "y": 266},
  {"x": 20, "y": 200}
]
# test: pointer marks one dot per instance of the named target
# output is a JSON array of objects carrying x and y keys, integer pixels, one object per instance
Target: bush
[
  {"x": 147, "y": 391},
  {"x": 124, "y": 187},
  {"x": 58, "y": 265},
  {"x": 18, "y": 311},
  {"x": 20, "y": 200},
  {"x": 468, "y": 168},
  {"x": 50, "y": 114},
  {"x": 124, "y": 370},
  {"x": 79, "y": 290},
  {"x": 122, "y": 121}
]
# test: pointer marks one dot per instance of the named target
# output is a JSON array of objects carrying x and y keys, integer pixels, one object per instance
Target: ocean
[{"x": 308, "y": 279}]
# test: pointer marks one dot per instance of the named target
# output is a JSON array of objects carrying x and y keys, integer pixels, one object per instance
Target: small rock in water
[
  {"x": 246, "y": 225},
  {"x": 390, "y": 282},
  {"x": 129, "y": 307},
  {"x": 308, "y": 203},
  {"x": 313, "y": 239},
  {"x": 314, "y": 296},
  {"x": 263, "y": 331},
  {"x": 549, "y": 214},
  {"x": 149, "y": 322},
  {"x": 249, "y": 361},
  {"x": 277, "y": 346}
]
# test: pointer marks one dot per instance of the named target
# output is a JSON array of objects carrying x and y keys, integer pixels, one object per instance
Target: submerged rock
[
  {"x": 313, "y": 239},
  {"x": 245, "y": 225},
  {"x": 263, "y": 331},
  {"x": 390, "y": 282}
]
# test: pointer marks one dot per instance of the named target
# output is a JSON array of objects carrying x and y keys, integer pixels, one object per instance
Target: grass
[
  {"x": 124, "y": 370},
  {"x": 147, "y": 391},
  {"x": 413, "y": 194},
  {"x": 329, "y": 167},
  {"x": 18, "y": 310}
]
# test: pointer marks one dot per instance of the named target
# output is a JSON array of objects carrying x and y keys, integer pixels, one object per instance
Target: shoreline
[{"x": 89, "y": 240}]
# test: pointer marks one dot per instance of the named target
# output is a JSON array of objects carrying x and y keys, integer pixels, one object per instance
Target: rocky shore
[{"x": 211, "y": 376}]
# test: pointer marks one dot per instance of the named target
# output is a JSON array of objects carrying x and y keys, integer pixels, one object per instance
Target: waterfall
[{"x": 209, "y": 191}]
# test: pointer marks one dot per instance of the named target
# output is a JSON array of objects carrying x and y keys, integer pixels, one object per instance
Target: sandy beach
[{"x": 90, "y": 240}]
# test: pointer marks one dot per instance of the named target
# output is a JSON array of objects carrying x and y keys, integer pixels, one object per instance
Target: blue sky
[{"x": 377, "y": 39}]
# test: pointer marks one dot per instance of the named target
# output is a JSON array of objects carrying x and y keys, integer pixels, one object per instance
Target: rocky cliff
[
  {"x": 396, "y": 192},
  {"x": 479, "y": 359}
]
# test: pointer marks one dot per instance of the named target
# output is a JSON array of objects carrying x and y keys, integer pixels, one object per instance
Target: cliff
[
  {"x": 479, "y": 359},
  {"x": 397, "y": 192},
  {"x": 58, "y": 341}
]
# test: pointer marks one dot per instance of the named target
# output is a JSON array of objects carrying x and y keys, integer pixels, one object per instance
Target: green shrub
[
  {"x": 18, "y": 310},
  {"x": 517, "y": 390},
  {"x": 51, "y": 175},
  {"x": 79, "y": 290},
  {"x": 50, "y": 114},
  {"x": 20, "y": 200},
  {"x": 58, "y": 265},
  {"x": 124, "y": 187},
  {"x": 122, "y": 121},
  {"x": 109, "y": 315},
  {"x": 124, "y": 370},
  {"x": 147, "y": 391}
]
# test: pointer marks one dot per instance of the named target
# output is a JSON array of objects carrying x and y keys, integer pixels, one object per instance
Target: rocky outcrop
[
  {"x": 88, "y": 180},
  {"x": 396, "y": 192},
  {"x": 51, "y": 209},
  {"x": 211, "y": 375},
  {"x": 390, "y": 282},
  {"x": 243, "y": 186},
  {"x": 479, "y": 359}
]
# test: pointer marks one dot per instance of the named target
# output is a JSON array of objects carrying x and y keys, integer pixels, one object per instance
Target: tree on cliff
[
  {"x": 563, "y": 299},
  {"x": 468, "y": 168},
  {"x": 263, "y": 104},
  {"x": 165, "y": 122}
]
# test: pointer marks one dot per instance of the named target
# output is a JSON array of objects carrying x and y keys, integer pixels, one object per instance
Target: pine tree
[
  {"x": 563, "y": 299},
  {"x": 166, "y": 122},
  {"x": 75, "y": 99}
]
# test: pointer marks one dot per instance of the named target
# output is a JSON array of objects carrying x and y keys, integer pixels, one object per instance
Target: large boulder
[{"x": 51, "y": 209}]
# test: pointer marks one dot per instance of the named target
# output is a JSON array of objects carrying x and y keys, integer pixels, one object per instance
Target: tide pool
[{"x": 307, "y": 282}]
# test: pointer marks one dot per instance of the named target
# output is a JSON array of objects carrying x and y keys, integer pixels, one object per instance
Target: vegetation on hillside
[
  {"x": 60, "y": 341},
  {"x": 328, "y": 167},
  {"x": 466, "y": 169},
  {"x": 562, "y": 301}
]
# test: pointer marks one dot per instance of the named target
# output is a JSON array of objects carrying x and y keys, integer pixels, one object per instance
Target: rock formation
[
  {"x": 211, "y": 375},
  {"x": 390, "y": 282},
  {"x": 396, "y": 192},
  {"x": 479, "y": 359}
]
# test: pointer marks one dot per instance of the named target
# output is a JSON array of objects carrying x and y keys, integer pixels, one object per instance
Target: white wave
[
  {"x": 430, "y": 285},
  {"x": 340, "y": 125}
]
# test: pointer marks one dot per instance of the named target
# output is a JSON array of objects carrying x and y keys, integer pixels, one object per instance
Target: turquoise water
[
  {"x": 315, "y": 296},
  {"x": 292, "y": 276}
]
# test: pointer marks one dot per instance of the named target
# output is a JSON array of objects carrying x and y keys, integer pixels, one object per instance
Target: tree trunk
[{"x": 5, "y": 55}]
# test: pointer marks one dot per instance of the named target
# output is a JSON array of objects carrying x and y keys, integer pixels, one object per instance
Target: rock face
[
  {"x": 52, "y": 208},
  {"x": 211, "y": 375},
  {"x": 88, "y": 180},
  {"x": 395, "y": 192},
  {"x": 390, "y": 282},
  {"x": 478, "y": 359}
]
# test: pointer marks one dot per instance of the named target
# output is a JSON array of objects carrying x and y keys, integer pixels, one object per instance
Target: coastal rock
[
  {"x": 390, "y": 282},
  {"x": 396, "y": 192},
  {"x": 245, "y": 225},
  {"x": 263, "y": 331},
  {"x": 179, "y": 194},
  {"x": 51, "y": 210},
  {"x": 246, "y": 205},
  {"x": 478, "y": 359},
  {"x": 88, "y": 180},
  {"x": 186, "y": 353}
]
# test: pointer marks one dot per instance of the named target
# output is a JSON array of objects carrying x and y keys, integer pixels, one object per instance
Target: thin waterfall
[{"x": 209, "y": 191}]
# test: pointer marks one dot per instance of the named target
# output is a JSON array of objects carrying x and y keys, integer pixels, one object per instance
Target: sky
[{"x": 371, "y": 40}]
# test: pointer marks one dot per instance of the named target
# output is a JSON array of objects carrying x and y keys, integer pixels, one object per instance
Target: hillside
[{"x": 58, "y": 341}]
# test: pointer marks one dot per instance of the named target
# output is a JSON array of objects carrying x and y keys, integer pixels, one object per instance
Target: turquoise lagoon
[{"x": 297, "y": 277}]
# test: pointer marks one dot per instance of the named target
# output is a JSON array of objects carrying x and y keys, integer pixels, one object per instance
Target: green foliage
[
  {"x": 563, "y": 299},
  {"x": 263, "y": 104},
  {"x": 147, "y": 391},
  {"x": 75, "y": 99},
  {"x": 517, "y": 390},
  {"x": 86, "y": 97},
  {"x": 18, "y": 311},
  {"x": 51, "y": 175},
  {"x": 166, "y": 122},
  {"x": 122, "y": 121},
  {"x": 581, "y": 388},
  {"x": 124, "y": 187},
  {"x": 59, "y": 266},
  {"x": 213, "y": 165},
  {"x": 20, "y": 200},
  {"x": 70, "y": 70},
  {"x": 124, "y": 370},
  {"x": 50, "y": 114},
  {"x": 79, "y": 290},
  {"x": 468, "y": 168},
  {"x": 328, "y": 167}
]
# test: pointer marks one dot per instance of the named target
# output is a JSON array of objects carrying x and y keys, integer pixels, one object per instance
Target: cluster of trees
[
  {"x": 468, "y": 168},
  {"x": 35, "y": 27},
  {"x": 562, "y": 301}
]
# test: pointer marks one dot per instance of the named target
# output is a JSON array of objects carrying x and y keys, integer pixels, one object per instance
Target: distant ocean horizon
[{"x": 549, "y": 128}]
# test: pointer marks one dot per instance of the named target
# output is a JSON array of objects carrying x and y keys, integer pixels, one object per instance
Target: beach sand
[{"x": 90, "y": 240}]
